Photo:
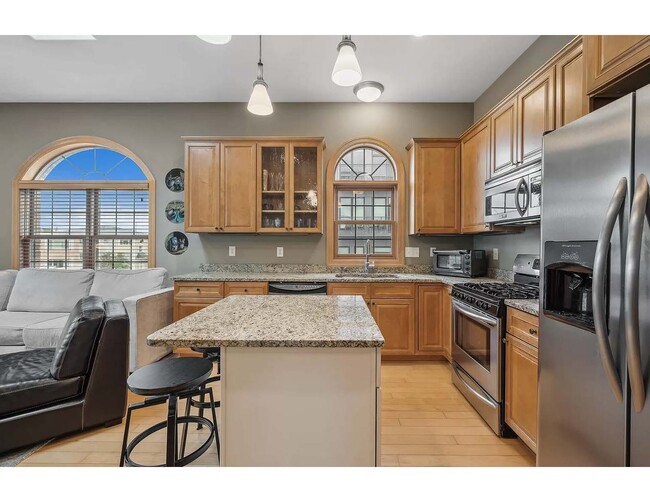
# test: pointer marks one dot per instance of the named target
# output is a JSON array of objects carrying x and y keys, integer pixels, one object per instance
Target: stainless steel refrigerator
[{"x": 594, "y": 341}]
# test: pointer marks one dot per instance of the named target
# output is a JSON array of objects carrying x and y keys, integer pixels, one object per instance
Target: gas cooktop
[{"x": 489, "y": 296}]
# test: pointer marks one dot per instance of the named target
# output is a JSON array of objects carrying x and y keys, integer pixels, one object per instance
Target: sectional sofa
[{"x": 35, "y": 304}]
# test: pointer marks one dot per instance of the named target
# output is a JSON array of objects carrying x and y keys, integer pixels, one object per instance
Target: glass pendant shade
[
  {"x": 260, "y": 102},
  {"x": 215, "y": 39},
  {"x": 347, "y": 71}
]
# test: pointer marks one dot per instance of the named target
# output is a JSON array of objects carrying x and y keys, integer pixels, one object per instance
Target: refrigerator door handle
[
  {"x": 599, "y": 287},
  {"x": 638, "y": 216}
]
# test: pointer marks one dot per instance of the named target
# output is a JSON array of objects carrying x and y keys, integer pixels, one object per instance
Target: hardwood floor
[{"x": 425, "y": 422}]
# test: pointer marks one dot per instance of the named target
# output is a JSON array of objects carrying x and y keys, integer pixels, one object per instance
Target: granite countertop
[
  {"x": 275, "y": 321},
  {"x": 528, "y": 306},
  {"x": 322, "y": 277}
]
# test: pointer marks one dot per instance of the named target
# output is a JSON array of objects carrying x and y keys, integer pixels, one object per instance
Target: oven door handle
[
  {"x": 599, "y": 286},
  {"x": 472, "y": 389},
  {"x": 485, "y": 321}
]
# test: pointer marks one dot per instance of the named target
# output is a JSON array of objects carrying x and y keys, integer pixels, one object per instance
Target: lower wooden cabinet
[
  {"x": 396, "y": 321},
  {"x": 183, "y": 308},
  {"x": 430, "y": 319},
  {"x": 447, "y": 323},
  {"x": 246, "y": 288},
  {"x": 522, "y": 364}
]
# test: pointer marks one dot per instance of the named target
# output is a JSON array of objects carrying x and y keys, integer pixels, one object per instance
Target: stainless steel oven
[
  {"x": 478, "y": 358},
  {"x": 515, "y": 198}
]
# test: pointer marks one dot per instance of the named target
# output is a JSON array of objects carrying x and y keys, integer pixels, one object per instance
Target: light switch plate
[
  {"x": 232, "y": 250},
  {"x": 495, "y": 253},
  {"x": 431, "y": 250},
  {"x": 280, "y": 252},
  {"x": 412, "y": 252}
]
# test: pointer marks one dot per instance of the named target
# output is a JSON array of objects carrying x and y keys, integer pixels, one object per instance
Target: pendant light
[
  {"x": 347, "y": 71},
  {"x": 260, "y": 102},
  {"x": 215, "y": 39}
]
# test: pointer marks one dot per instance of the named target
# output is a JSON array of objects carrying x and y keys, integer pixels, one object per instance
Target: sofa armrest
[{"x": 148, "y": 313}]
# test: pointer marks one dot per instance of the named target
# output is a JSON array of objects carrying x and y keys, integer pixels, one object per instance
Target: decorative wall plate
[
  {"x": 176, "y": 243},
  {"x": 175, "y": 211},
  {"x": 175, "y": 180}
]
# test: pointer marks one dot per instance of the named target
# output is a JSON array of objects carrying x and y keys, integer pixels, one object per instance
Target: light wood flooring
[{"x": 425, "y": 422}]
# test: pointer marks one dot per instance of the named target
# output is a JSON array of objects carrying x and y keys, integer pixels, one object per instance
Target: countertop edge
[{"x": 528, "y": 306}]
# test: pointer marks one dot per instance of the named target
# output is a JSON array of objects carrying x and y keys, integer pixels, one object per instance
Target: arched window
[
  {"x": 84, "y": 203},
  {"x": 365, "y": 196}
]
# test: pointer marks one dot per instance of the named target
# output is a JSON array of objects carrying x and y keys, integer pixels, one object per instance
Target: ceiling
[{"x": 296, "y": 68}]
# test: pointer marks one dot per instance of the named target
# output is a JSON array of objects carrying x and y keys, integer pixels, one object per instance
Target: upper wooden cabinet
[
  {"x": 612, "y": 57},
  {"x": 250, "y": 185},
  {"x": 434, "y": 186},
  {"x": 504, "y": 138},
  {"x": 475, "y": 164},
  {"x": 535, "y": 115},
  {"x": 571, "y": 101}
]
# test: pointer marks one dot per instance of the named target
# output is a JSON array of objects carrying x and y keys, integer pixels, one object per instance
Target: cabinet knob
[
  {"x": 198, "y": 289},
  {"x": 532, "y": 331},
  {"x": 245, "y": 290}
]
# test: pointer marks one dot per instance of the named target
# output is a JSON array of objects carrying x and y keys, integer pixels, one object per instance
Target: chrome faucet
[{"x": 368, "y": 266}]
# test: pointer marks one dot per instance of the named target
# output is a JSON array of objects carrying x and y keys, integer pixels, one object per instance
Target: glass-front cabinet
[{"x": 289, "y": 180}]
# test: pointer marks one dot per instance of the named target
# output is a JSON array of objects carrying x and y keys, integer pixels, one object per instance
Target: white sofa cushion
[
  {"x": 12, "y": 324},
  {"x": 44, "y": 334},
  {"x": 48, "y": 290},
  {"x": 7, "y": 278},
  {"x": 120, "y": 284}
]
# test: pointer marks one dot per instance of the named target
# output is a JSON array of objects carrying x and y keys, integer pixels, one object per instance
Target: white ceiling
[{"x": 296, "y": 68}]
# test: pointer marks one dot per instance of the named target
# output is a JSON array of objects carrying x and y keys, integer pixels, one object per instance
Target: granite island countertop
[
  {"x": 528, "y": 306},
  {"x": 275, "y": 321}
]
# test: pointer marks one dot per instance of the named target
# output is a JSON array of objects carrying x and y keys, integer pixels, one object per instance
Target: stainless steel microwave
[
  {"x": 516, "y": 198},
  {"x": 460, "y": 262}
]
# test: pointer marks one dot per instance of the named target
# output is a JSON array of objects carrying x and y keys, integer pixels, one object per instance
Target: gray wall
[
  {"x": 534, "y": 57},
  {"x": 153, "y": 132},
  {"x": 509, "y": 246}
]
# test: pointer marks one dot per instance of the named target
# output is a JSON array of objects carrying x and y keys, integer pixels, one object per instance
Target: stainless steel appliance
[
  {"x": 594, "y": 342},
  {"x": 515, "y": 198},
  {"x": 479, "y": 334},
  {"x": 460, "y": 262},
  {"x": 297, "y": 288}
]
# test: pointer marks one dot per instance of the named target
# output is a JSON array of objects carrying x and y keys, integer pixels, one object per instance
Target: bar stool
[{"x": 168, "y": 381}]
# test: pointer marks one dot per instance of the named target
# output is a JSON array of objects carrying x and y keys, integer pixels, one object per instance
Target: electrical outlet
[
  {"x": 495, "y": 254},
  {"x": 412, "y": 252},
  {"x": 280, "y": 252},
  {"x": 232, "y": 251},
  {"x": 431, "y": 251}
]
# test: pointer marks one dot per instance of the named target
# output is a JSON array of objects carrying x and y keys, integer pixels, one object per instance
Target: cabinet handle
[{"x": 532, "y": 331}]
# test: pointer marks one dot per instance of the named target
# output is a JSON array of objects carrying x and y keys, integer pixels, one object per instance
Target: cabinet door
[
  {"x": 571, "y": 101},
  {"x": 396, "y": 321},
  {"x": 536, "y": 109},
  {"x": 305, "y": 163},
  {"x": 504, "y": 138},
  {"x": 475, "y": 163},
  {"x": 430, "y": 319},
  {"x": 521, "y": 390},
  {"x": 238, "y": 187},
  {"x": 349, "y": 288},
  {"x": 202, "y": 187},
  {"x": 612, "y": 57},
  {"x": 273, "y": 177},
  {"x": 435, "y": 172},
  {"x": 447, "y": 326},
  {"x": 185, "y": 307}
]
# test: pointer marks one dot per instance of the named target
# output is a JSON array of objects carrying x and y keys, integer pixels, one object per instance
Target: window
[
  {"x": 88, "y": 207},
  {"x": 365, "y": 190}
]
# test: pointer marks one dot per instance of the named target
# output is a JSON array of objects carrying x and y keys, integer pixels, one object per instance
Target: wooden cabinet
[
  {"x": 396, "y": 321},
  {"x": 503, "y": 123},
  {"x": 571, "y": 101},
  {"x": 535, "y": 116},
  {"x": 522, "y": 376},
  {"x": 290, "y": 186},
  {"x": 202, "y": 187},
  {"x": 434, "y": 186},
  {"x": 447, "y": 323},
  {"x": 183, "y": 308},
  {"x": 246, "y": 288},
  {"x": 475, "y": 164},
  {"x": 430, "y": 319},
  {"x": 238, "y": 187},
  {"x": 349, "y": 288},
  {"x": 192, "y": 296},
  {"x": 611, "y": 58}
]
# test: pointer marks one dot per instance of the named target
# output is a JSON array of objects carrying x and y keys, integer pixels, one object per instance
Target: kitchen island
[{"x": 300, "y": 378}]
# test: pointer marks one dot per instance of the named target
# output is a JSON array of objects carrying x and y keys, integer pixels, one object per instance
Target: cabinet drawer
[
  {"x": 523, "y": 326},
  {"x": 246, "y": 288},
  {"x": 183, "y": 308},
  {"x": 349, "y": 288},
  {"x": 392, "y": 290},
  {"x": 198, "y": 289}
]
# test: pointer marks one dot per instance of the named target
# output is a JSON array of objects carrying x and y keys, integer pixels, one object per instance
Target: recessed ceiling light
[
  {"x": 62, "y": 37},
  {"x": 215, "y": 39},
  {"x": 368, "y": 91}
]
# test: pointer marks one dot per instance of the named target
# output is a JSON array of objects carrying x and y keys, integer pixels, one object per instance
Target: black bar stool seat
[{"x": 168, "y": 381}]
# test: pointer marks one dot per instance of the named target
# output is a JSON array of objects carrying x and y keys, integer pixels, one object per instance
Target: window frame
[
  {"x": 29, "y": 170},
  {"x": 398, "y": 222}
]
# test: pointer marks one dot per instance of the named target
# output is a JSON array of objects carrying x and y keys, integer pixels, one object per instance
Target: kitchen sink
[{"x": 379, "y": 275}]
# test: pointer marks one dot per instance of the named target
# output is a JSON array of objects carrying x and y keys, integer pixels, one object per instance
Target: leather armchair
[{"x": 46, "y": 393}]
